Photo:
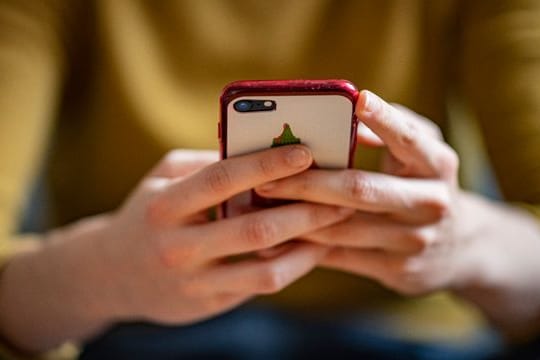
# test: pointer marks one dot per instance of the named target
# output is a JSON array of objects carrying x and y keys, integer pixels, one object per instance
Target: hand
[
  {"x": 158, "y": 258},
  {"x": 404, "y": 232},
  {"x": 415, "y": 231},
  {"x": 168, "y": 262}
]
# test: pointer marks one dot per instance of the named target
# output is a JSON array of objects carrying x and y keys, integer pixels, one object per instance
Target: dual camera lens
[{"x": 254, "y": 105}]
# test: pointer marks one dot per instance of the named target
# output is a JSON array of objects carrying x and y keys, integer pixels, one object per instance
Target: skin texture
[
  {"x": 415, "y": 231},
  {"x": 157, "y": 258}
]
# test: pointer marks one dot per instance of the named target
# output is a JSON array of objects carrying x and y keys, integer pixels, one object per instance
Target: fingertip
[
  {"x": 299, "y": 156},
  {"x": 301, "y": 147},
  {"x": 265, "y": 188},
  {"x": 367, "y": 104},
  {"x": 362, "y": 102}
]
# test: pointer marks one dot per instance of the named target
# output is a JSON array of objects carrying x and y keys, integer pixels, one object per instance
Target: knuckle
[
  {"x": 166, "y": 257},
  {"x": 173, "y": 255},
  {"x": 434, "y": 129},
  {"x": 449, "y": 163},
  {"x": 173, "y": 156},
  {"x": 422, "y": 123},
  {"x": 357, "y": 187},
  {"x": 272, "y": 279},
  {"x": 154, "y": 185},
  {"x": 170, "y": 159},
  {"x": 185, "y": 255},
  {"x": 155, "y": 211},
  {"x": 439, "y": 205},
  {"x": 168, "y": 163},
  {"x": 218, "y": 178},
  {"x": 178, "y": 257},
  {"x": 416, "y": 241},
  {"x": 420, "y": 239},
  {"x": 405, "y": 122},
  {"x": 259, "y": 232},
  {"x": 408, "y": 135}
]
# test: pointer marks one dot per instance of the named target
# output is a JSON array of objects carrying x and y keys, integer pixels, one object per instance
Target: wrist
[
  {"x": 87, "y": 253},
  {"x": 52, "y": 293},
  {"x": 497, "y": 266}
]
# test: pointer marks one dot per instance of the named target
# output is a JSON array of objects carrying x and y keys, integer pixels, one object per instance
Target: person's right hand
[{"x": 168, "y": 264}]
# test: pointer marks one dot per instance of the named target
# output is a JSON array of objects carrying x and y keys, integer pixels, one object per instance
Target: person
[{"x": 108, "y": 87}]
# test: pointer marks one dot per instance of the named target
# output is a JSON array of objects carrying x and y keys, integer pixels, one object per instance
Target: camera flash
[{"x": 268, "y": 103}]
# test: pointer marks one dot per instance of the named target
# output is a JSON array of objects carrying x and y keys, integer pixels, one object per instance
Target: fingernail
[
  {"x": 266, "y": 187},
  {"x": 297, "y": 157},
  {"x": 371, "y": 102}
]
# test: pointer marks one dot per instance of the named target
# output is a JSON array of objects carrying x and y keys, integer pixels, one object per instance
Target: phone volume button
[{"x": 219, "y": 130}]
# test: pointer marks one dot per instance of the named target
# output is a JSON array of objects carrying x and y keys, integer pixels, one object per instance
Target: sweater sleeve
[
  {"x": 501, "y": 77},
  {"x": 30, "y": 75},
  {"x": 31, "y": 68}
]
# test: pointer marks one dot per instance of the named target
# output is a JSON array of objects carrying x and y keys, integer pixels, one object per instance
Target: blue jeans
[{"x": 256, "y": 332}]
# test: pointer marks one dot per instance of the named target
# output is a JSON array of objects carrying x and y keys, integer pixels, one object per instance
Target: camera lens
[{"x": 242, "y": 105}]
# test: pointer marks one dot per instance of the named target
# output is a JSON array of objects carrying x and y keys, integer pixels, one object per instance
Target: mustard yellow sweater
[{"x": 105, "y": 88}]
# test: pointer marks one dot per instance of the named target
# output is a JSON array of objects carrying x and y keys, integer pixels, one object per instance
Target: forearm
[
  {"x": 500, "y": 268},
  {"x": 53, "y": 293}
]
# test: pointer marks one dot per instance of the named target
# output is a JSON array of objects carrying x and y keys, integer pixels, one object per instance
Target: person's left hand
[{"x": 406, "y": 232}]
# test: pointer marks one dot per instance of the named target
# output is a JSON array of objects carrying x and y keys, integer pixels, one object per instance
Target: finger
[
  {"x": 428, "y": 156},
  {"x": 274, "y": 250},
  {"x": 254, "y": 231},
  {"x": 367, "y": 137},
  {"x": 374, "y": 264},
  {"x": 415, "y": 200},
  {"x": 226, "y": 178},
  {"x": 179, "y": 162},
  {"x": 262, "y": 276},
  {"x": 426, "y": 126},
  {"x": 373, "y": 232}
]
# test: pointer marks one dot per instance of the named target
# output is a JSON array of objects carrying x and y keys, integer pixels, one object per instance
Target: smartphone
[{"x": 260, "y": 114}]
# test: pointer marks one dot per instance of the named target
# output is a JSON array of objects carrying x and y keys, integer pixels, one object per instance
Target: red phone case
[{"x": 238, "y": 89}]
